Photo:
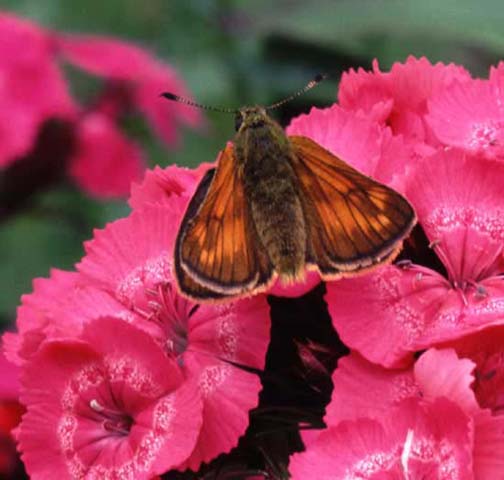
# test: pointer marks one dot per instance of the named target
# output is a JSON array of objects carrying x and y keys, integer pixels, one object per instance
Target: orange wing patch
[
  {"x": 353, "y": 221},
  {"x": 216, "y": 245}
]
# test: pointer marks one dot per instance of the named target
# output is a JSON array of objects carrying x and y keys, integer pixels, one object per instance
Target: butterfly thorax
[{"x": 263, "y": 154}]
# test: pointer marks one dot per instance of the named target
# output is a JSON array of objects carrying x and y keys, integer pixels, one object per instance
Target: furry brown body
[{"x": 263, "y": 154}]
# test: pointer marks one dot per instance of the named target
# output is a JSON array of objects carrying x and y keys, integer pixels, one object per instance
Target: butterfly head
[{"x": 251, "y": 117}]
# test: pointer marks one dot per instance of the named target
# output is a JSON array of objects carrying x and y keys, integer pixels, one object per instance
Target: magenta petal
[
  {"x": 40, "y": 433},
  {"x": 311, "y": 280},
  {"x": 363, "y": 389},
  {"x": 335, "y": 452},
  {"x": 237, "y": 332},
  {"x": 486, "y": 349},
  {"x": 488, "y": 453},
  {"x": 415, "y": 306},
  {"x": 160, "y": 185},
  {"x": 410, "y": 441},
  {"x": 134, "y": 252},
  {"x": 458, "y": 200},
  {"x": 354, "y": 139},
  {"x": 399, "y": 302},
  {"x": 440, "y": 373},
  {"x": 146, "y": 77},
  {"x": 175, "y": 422},
  {"x": 113, "y": 337},
  {"x": 9, "y": 379},
  {"x": 108, "y": 407},
  {"x": 362, "y": 91},
  {"x": 467, "y": 115},
  {"x": 106, "y": 162},
  {"x": 229, "y": 394},
  {"x": 27, "y": 68}
]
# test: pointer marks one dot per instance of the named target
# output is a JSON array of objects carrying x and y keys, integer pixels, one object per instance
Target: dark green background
[{"x": 231, "y": 53}]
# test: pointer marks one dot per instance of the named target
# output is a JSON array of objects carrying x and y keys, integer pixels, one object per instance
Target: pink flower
[
  {"x": 470, "y": 115},
  {"x": 10, "y": 416},
  {"x": 109, "y": 404},
  {"x": 486, "y": 350},
  {"x": 100, "y": 158},
  {"x": 131, "y": 260},
  {"x": 105, "y": 161},
  {"x": 140, "y": 76},
  {"x": 399, "y": 97},
  {"x": 159, "y": 184},
  {"x": 422, "y": 422},
  {"x": 458, "y": 200},
  {"x": 127, "y": 274},
  {"x": 59, "y": 307},
  {"x": 32, "y": 88}
]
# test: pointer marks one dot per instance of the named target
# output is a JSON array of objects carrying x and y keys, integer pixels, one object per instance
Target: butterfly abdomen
[{"x": 273, "y": 198}]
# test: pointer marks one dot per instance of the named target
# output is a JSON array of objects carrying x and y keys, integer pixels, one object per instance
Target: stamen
[{"x": 114, "y": 421}]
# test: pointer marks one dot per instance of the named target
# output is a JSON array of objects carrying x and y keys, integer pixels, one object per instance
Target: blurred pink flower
[
  {"x": 32, "y": 87},
  {"x": 140, "y": 76},
  {"x": 105, "y": 161},
  {"x": 458, "y": 200},
  {"x": 109, "y": 404},
  {"x": 102, "y": 160}
]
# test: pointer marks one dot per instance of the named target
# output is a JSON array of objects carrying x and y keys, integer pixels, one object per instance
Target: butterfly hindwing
[
  {"x": 216, "y": 248},
  {"x": 353, "y": 221}
]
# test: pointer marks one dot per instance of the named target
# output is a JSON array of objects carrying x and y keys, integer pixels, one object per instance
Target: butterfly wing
[
  {"x": 216, "y": 252},
  {"x": 353, "y": 221}
]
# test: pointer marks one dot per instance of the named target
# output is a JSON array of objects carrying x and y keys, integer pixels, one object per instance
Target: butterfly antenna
[
  {"x": 313, "y": 83},
  {"x": 185, "y": 101}
]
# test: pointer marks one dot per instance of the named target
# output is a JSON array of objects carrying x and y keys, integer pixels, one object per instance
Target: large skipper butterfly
[{"x": 276, "y": 205}]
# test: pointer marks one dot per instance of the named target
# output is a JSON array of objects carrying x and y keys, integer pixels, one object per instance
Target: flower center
[
  {"x": 115, "y": 422},
  {"x": 171, "y": 313},
  {"x": 485, "y": 135}
]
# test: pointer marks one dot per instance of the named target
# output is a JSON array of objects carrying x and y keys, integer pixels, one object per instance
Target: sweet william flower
[
  {"x": 470, "y": 115},
  {"x": 101, "y": 159},
  {"x": 127, "y": 274},
  {"x": 399, "y": 98},
  {"x": 139, "y": 77},
  {"x": 108, "y": 404},
  {"x": 458, "y": 200},
  {"x": 27, "y": 68},
  {"x": 421, "y": 422},
  {"x": 131, "y": 260}
]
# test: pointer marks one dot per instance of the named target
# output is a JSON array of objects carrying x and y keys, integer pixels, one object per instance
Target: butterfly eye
[{"x": 238, "y": 121}]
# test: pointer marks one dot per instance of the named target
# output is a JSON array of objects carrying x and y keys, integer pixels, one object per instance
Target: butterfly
[{"x": 276, "y": 206}]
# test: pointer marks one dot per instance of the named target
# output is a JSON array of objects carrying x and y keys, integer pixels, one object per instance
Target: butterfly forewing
[
  {"x": 216, "y": 242},
  {"x": 353, "y": 222}
]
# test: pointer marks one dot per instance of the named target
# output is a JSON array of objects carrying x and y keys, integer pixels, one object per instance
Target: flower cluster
[
  {"x": 124, "y": 378},
  {"x": 35, "y": 96},
  {"x": 435, "y": 134}
]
